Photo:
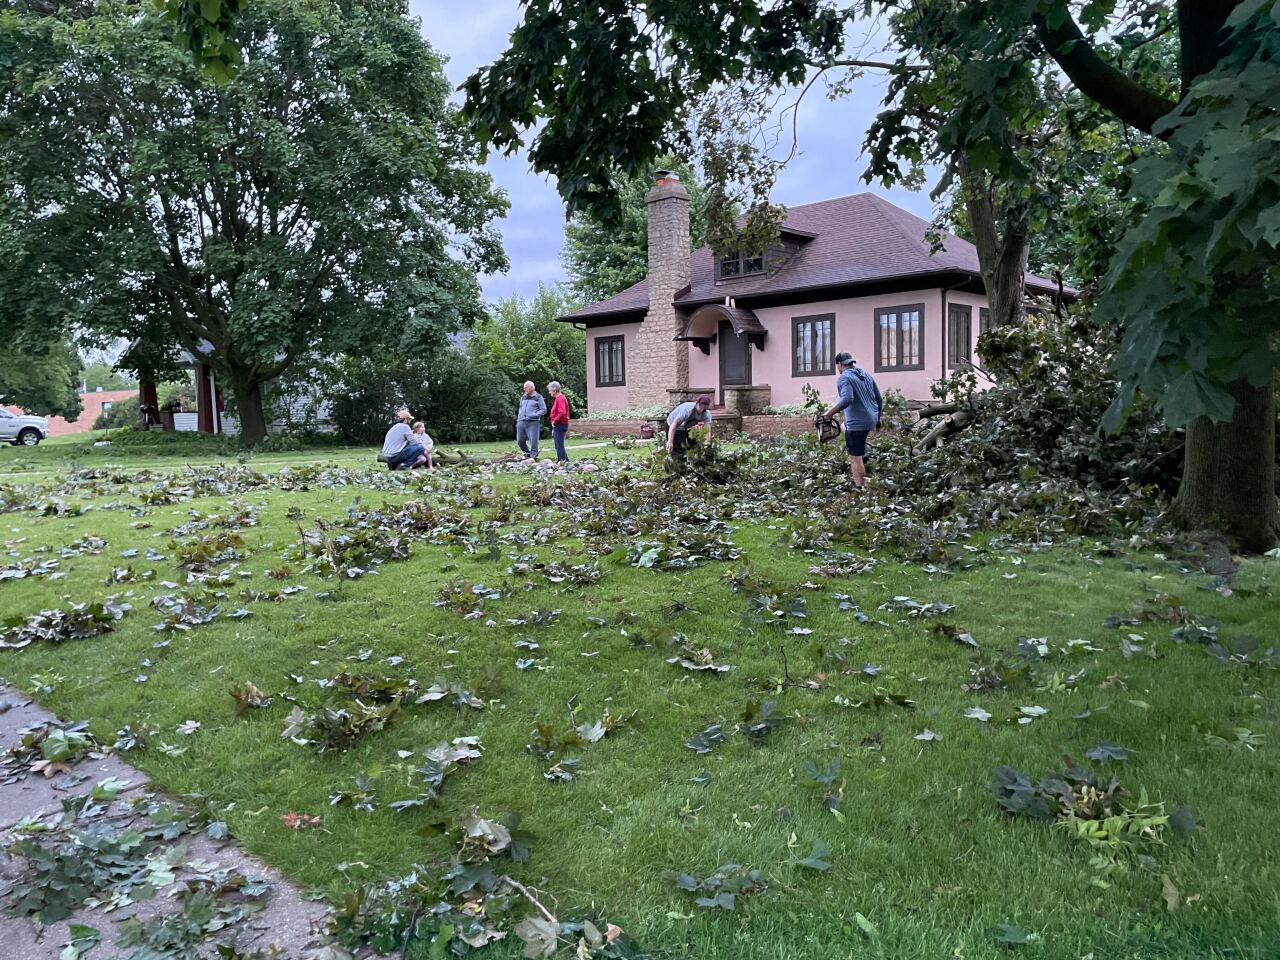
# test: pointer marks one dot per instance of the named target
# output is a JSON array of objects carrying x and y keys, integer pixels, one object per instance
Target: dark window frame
[
  {"x": 881, "y": 366},
  {"x": 622, "y": 355},
  {"x": 954, "y": 312},
  {"x": 795, "y": 333},
  {"x": 741, "y": 262}
]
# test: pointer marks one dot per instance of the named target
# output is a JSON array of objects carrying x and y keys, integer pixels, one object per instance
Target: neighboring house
[
  {"x": 303, "y": 409},
  {"x": 94, "y": 403},
  {"x": 855, "y": 273}
]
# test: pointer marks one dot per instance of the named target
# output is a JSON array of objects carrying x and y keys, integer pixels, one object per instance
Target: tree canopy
[
  {"x": 44, "y": 380},
  {"x": 522, "y": 338},
  {"x": 103, "y": 376},
  {"x": 324, "y": 197}
]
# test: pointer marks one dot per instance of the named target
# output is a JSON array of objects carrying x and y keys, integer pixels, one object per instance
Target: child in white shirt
[{"x": 421, "y": 435}]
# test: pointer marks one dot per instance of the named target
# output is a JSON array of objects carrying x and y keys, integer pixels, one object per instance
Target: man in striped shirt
[{"x": 862, "y": 405}]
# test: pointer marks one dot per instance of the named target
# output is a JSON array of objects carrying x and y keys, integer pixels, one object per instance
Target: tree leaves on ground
[
  {"x": 720, "y": 890},
  {"x": 77, "y": 621}
]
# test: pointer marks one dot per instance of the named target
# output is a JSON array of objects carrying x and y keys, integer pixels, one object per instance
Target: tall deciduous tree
[
  {"x": 323, "y": 198},
  {"x": 44, "y": 380},
  {"x": 604, "y": 258},
  {"x": 103, "y": 376},
  {"x": 1051, "y": 192},
  {"x": 1194, "y": 283},
  {"x": 522, "y": 338}
]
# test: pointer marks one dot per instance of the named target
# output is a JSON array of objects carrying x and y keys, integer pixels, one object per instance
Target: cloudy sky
[{"x": 473, "y": 33}]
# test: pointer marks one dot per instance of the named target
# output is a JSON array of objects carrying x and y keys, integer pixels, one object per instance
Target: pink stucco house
[{"x": 855, "y": 273}]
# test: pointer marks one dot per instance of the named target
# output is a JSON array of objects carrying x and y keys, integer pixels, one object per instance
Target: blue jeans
[
  {"x": 527, "y": 433},
  {"x": 406, "y": 457},
  {"x": 558, "y": 431}
]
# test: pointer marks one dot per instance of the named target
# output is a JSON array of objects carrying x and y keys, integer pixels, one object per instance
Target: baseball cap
[
  {"x": 703, "y": 399},
  {"x": 844, "y": 359}
]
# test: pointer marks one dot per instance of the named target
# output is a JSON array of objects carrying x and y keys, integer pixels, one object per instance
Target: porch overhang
[{"x": 700, "y": 329}]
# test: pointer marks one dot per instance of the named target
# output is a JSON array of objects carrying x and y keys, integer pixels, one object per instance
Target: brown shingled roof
[{"x": 858, "y": 239}]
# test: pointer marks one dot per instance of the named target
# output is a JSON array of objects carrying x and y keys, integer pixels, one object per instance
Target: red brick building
[{"x": 94, "y": 404}]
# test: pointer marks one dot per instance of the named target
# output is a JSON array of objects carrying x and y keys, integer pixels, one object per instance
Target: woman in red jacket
[{"x": 559, "y": 418}]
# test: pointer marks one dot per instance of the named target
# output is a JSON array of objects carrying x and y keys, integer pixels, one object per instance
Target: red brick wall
[
  {"x": 763, "y": 425},
  {"x": 59, "y": 427},
  {"x": 605, "y": 428}
]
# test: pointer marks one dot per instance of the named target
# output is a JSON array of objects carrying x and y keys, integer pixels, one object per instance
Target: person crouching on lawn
[
  {"x": 862, "y": 405},
  {"x": 400, "y": 449},
  {"x": 559, "y": 419},
  {"x": 690, "y": 415},
  {"x": 421, "y": 436},
  {"x": 529, "y": 420}
]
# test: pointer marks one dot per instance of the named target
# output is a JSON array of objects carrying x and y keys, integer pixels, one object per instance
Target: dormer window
[{"x": 737, "y": 264}]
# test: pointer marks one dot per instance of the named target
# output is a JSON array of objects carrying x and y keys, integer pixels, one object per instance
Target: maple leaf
[{"x": 539, "y": 935}]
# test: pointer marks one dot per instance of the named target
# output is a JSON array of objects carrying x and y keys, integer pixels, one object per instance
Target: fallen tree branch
[
  {"x": 951, "y": 423},
  {"x": 521, "y": 889}
]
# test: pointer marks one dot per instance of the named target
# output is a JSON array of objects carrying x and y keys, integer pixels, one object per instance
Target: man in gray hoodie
[{"x": 529, "y": 420}]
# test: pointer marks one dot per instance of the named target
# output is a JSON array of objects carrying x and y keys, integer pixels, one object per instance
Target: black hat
[{"x": 844, "y": 359}]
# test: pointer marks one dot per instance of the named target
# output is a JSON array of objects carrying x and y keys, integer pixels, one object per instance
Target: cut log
[
  {"x": 937, "y": 409},
  {"x": 952, "y": 423},
  {"x": 439, "y": 457}
]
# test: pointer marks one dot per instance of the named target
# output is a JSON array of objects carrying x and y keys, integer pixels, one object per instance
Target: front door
[{"x": 735, "y": 358}]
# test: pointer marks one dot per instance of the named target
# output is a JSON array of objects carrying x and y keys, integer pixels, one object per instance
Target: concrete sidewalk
[{"x": 287, "y": 921}]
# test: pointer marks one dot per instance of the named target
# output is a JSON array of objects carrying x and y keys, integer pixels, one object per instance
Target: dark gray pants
[{"x": 527, "y": 434}]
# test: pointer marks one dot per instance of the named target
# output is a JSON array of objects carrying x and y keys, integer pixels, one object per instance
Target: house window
[
  {"x": 610, "y": 362},
  {"x": 900, "y": 337},
  {"x": 960, "y": 334},
  {"x": 813, "y": 345},
  {"x": 984, "y": 320},
  {"x": 737, "y": 264}
]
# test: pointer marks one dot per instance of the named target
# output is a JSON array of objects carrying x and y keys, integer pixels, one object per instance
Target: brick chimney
[{"x": 657, "y": 362}]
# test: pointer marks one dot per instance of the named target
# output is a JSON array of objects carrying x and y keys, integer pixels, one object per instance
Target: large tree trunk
[
  {"x": 1229, "y": 472},
  {"x": 1003, "y": 241},
  {"x": 1228, "y": 477},
  {"x": 253, "y": 421}
]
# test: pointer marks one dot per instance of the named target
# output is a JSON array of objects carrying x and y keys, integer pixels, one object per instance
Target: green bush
[
  {"x": 281, "y": 443},
  {"x": 523, "y": 339},
  {"x": 461, "y": 399},
  {"x": 635, "y": 413},
  {"x": 171, "y": 442},
  {"x": 122, "y": 413},
  {"x": 178, "y": 396}
]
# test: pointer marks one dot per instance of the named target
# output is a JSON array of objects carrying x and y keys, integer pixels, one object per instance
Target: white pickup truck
[{"x": 20, "y": 429}]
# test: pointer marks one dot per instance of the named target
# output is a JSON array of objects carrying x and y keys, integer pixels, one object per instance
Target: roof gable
[{"x": 859, "y": 239}]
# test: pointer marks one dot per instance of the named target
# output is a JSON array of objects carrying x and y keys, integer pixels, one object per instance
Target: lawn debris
[
  {"x": 248, "y": 697},
  {"x": 695, "y": 658},
  {"x": 335, "y": 727},
  {"x": 48, "y": 748},
  {"x": 76, "y": 621},
  {"x": 720, "y": 890},
  {"x": 439, "y": 762},
  {"x": 948, "y": 631}
]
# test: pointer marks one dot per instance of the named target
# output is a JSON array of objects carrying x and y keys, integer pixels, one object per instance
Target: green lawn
[
  {"x": 60, "y": 454},
  {"x": 919, "y": 847}
]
